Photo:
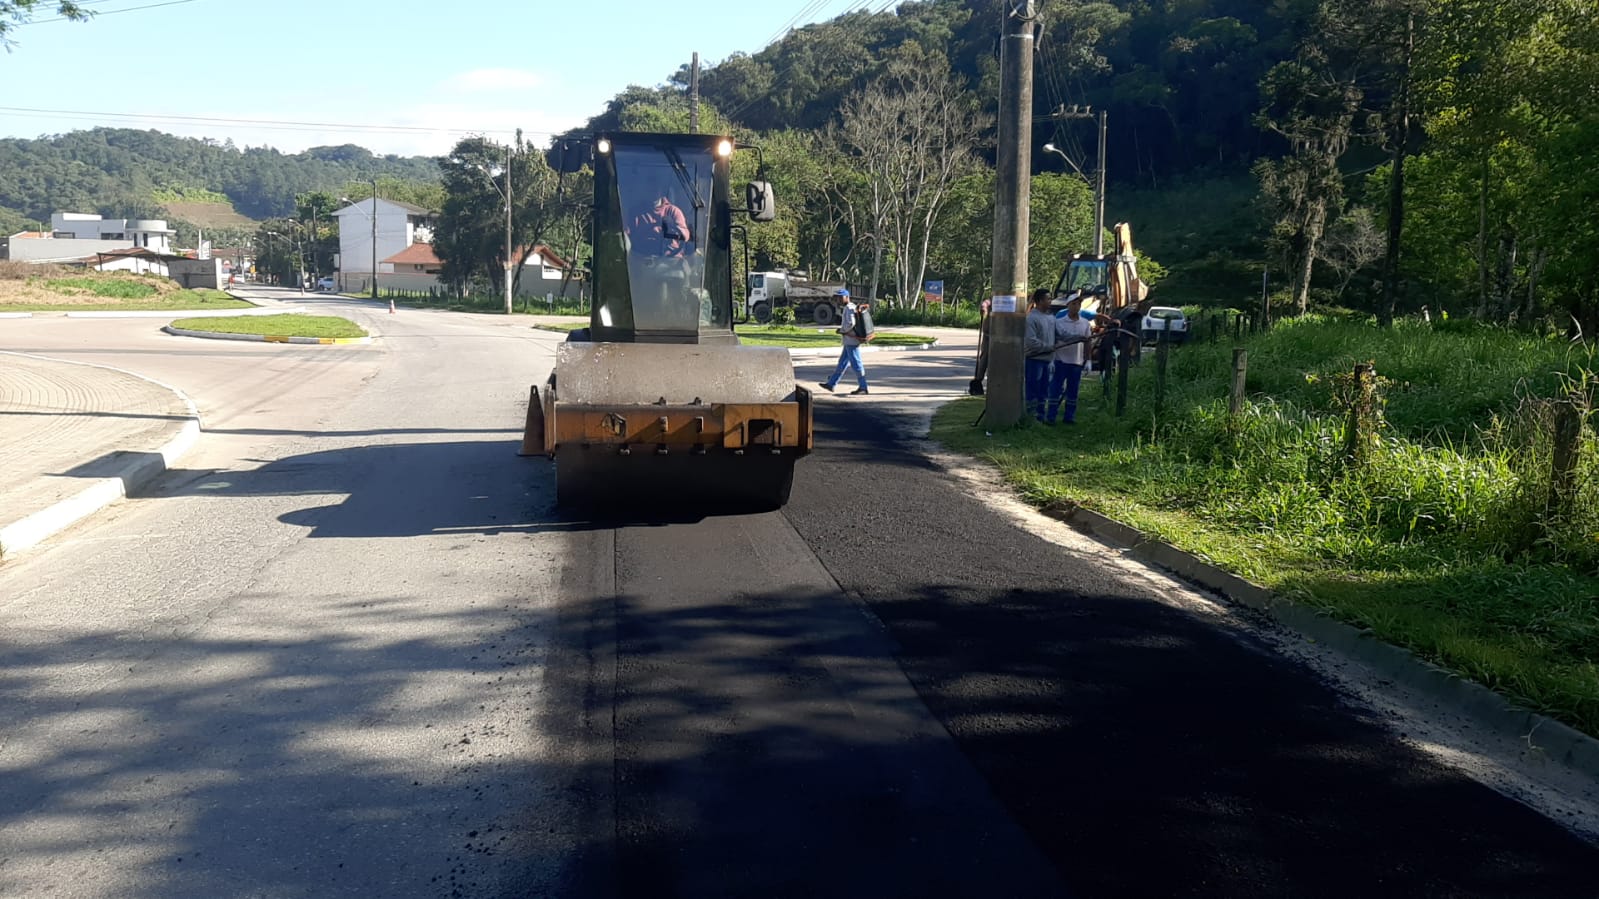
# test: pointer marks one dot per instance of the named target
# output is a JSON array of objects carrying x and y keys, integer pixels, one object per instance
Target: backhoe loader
[{"x": 657, "y": 397}]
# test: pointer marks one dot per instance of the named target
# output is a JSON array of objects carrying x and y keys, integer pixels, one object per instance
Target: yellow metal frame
[{"x": 670, "y": 428}]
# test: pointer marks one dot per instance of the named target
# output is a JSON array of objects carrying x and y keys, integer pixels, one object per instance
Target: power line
[
  {"x": 273, "y": 124},
  {"x": 788, "y": 68},
  {"x": 112, "y": 12},
  {"x": 808, "y": 9}
]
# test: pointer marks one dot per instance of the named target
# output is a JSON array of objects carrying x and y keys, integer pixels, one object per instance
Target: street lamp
[{"x": 1051, "y": 148}]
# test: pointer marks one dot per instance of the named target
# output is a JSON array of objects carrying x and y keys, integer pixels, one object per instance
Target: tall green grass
[
  {"x": 120, "y": 288},
  {"x": 1437, "y": 538}
]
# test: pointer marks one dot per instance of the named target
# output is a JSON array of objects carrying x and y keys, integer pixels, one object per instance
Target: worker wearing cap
[
  {"x": 1073, "y": 332},
  {"x": 851, "y": 355}
]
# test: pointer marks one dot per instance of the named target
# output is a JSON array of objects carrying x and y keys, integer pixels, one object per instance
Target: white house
[
  {"x": 149, "y": 234},
  {"x": 417, "y": 268},
  {"x": 397, "y": 226}
]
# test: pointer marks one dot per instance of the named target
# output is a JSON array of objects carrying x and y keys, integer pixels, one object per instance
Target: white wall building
[
  {"x": 149, "y": 234},
  {"x": 398, "y": 225}
]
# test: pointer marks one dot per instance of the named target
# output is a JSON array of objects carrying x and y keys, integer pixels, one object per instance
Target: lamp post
[
  {"x": 1098, "y": 181},
  {"x": 510, "y": 263},
  {"x": 374, "y": 238}
]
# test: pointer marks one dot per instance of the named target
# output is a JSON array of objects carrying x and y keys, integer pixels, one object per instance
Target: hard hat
[{"x": 841, "y": 292}]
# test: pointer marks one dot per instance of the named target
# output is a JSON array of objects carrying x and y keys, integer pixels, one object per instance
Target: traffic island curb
[
  {"x": 1559, "y": 743},
  {"x": 263, "y": 338},
  {"x": 143, "y": 467}
]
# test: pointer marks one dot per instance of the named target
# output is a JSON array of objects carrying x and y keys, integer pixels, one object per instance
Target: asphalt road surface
[{"x": 349, "y": 648}]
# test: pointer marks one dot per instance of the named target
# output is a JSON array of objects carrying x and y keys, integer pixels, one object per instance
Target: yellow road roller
[{"x": 657, "y": 396}]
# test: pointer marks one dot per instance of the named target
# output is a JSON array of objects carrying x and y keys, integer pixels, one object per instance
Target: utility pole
[
  {"x": 1099, "y": 192},
  {"x": 1013, "y": 186},
  {"x": 1087, "y": 112},
  {"x": 374, "y": 238},
  {"x": 509, "y": 261},
  {"x": 694, "y": 95}
]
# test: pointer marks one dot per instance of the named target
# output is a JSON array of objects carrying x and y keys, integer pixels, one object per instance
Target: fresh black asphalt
[{"x": 948, "y": 705}]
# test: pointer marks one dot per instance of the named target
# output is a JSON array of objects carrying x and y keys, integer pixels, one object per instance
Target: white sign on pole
[{"x": 1003, "y": 304}]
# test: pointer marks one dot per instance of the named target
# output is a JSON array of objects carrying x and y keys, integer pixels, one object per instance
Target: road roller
[{"x": 657, "y": 397}]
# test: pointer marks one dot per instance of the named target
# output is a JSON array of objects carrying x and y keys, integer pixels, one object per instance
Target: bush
[{"x": 783, "y": 316}]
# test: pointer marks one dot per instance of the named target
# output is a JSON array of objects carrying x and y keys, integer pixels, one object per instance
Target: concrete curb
[
  {"x": 1558, "y": 742},
  {"x": 33, "y": 529},
  {"x": 263, "y": 338},
  {"x": 160, "y": 313}
]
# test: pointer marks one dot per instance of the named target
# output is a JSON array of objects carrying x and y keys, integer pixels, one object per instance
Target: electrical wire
[
  {"x": 111, "y": 12},
  {"x": 269, "y": 124},
  {"x": 788, "y": 68}
]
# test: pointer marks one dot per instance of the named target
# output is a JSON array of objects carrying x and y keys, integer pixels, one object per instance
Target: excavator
[
  {"x": 1108, "y": 282},
  {"x": 657, "y": 395}
]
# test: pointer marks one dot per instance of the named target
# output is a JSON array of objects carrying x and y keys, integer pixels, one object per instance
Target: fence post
[
  {"x": 1568, "y": 449},
  {"x": 1235, "y": 402},
  {"x": 1238, "y": 326},
  {"x": 1162, "y": 350},
  {"x": 1359, "y": 413},
  {"x": 1122, "y": 363}
]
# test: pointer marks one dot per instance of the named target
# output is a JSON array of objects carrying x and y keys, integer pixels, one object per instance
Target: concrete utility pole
[
  {"x": 374, "y": 238},
  {"x": 1099, "y": 192},
  {"x": 510, "y": 262},
  {"x": 694, "y": 95},
  {"x": 1013, "y": 186}
]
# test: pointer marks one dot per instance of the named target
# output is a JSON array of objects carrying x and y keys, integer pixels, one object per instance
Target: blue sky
[{"x": 349, "y": 69}]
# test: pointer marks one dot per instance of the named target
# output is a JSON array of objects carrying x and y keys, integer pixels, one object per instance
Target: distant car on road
[
  {"x": 325, "y": 284},
  {"x": 1164, "y": 323}
]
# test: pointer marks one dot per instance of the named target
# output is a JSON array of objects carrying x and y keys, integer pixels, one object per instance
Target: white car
[
  {"x": 1165, "y": 323},
  {"x": 326, "y": 284}
]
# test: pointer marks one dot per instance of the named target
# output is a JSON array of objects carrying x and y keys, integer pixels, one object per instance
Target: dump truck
[
  {"x": 657, "y": 396},
  {"x": 815, "y": 301}
]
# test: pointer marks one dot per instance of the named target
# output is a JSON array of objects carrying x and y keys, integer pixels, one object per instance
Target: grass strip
[
  {"x": 275, "y": 325},
  {"x": 175, "y": 301}
]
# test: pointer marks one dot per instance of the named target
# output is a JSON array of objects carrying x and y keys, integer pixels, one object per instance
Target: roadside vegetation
[
  {"x": 292, "y": 325},
  {"x": 53, "y": 288},
  {"x": 1438, "y": 532}
]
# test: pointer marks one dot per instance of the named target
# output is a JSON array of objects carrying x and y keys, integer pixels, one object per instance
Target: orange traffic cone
[{"x": 391, "y": 307}]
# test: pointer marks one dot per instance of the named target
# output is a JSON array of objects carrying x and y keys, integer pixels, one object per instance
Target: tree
[
  {"x": 1312, "y": 104},
  {"x": 470, "y": 240},
  {"x": 914, "y": 133},
  {"x": 1352, "y": 243},
  {"x": 19, "y": 12}
]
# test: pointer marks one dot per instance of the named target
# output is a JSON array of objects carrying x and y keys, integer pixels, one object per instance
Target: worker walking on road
[{"x": 851, "y": 326}]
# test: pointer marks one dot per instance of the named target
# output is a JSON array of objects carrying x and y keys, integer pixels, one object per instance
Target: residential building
[
  {"x": 149, "y": 234},
  {"x": 417, "y": 268},
  {"x": 398, "y": 226}
]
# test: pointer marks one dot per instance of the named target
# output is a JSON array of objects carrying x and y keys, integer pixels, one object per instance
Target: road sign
[{"x": 935, "y": 291}]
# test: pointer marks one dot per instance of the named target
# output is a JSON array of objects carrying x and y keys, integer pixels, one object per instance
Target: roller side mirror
[{"x": 760, "y": 201}]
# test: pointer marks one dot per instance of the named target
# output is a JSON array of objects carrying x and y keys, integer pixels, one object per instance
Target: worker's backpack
[{"x": 863, "y": 324}]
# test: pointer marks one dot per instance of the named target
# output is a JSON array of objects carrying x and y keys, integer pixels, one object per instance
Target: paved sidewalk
[{"x": 74, "y": 438}]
